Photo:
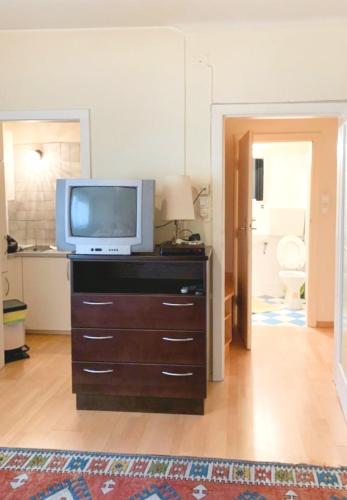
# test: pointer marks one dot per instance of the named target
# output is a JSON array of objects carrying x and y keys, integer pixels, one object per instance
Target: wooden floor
[{"x": 277, "y": 403}]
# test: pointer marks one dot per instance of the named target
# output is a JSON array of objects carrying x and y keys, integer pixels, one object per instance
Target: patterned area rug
[{"x": 68, "y": 475}]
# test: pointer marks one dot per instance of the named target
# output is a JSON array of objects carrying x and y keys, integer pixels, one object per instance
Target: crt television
[{"x": 112, "y": 217}]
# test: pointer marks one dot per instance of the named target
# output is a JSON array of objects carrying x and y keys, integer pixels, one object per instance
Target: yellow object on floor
[{"x": 260, "y": 306}]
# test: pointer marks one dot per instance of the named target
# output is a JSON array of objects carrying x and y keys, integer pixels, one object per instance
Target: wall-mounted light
[
  {"x": 34, "y": 158},
  {"x": 34, "y": 155}
]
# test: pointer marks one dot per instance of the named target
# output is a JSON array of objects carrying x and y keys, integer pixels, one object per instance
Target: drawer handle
[
  {"x": 89, "y": 370},
  {"x": 97, "y": 303},
  {"x": 97, "y": 338},
  {"x": 171, "y": 374},
  {"x": 175, "y": 304},
  {"x": 170, "y": 339}
]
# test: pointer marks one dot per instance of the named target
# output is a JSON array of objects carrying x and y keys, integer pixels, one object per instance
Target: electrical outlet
[
  {"x": 204, "y": 202},
  {"x": 204, "y": 214}
]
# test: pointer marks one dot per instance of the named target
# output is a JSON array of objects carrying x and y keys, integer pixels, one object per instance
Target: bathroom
[{"x": 280, "y": 222}]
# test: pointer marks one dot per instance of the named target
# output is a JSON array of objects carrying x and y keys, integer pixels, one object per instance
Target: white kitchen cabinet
[
  {"x": 12, "y": 280},
  {"x": 46, "y": 291}
]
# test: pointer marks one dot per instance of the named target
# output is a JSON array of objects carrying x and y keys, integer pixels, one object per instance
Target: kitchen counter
[{"x": 29, "y": 252}]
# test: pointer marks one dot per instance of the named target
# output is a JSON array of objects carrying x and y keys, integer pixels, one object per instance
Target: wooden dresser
[{"x": 138, "y": 343}]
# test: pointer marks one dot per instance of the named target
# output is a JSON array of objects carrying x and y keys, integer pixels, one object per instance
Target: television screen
[{"x": 103, "y": 211}]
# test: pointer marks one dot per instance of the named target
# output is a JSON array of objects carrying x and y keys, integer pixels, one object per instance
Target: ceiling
[{"x": 55, "y": 14}]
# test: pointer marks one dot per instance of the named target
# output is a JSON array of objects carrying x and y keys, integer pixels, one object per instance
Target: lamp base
[{"x": 176, "y": 231}]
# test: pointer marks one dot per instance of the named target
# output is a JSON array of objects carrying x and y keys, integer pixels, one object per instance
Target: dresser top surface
[{"x": 144, "y": 257}]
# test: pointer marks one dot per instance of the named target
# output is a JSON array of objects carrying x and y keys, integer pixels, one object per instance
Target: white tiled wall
[
  {"x": 284, "y": 208},
  {"x": 32, "y": 212}
]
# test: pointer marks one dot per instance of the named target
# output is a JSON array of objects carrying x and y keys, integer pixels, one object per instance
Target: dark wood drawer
[
  {"x": 162, "y": 312},
  {"x": 139, "y": 380},
  {"x": 139, "y": 346}
]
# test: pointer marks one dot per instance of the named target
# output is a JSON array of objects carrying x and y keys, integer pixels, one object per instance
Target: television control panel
[{"x": 103, "y": 249}]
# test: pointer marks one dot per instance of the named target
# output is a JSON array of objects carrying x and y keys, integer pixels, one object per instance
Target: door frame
[
  {"x": 339, "y": 374},
  {"x": 80, "y": 115},
  {"x": 219, "y": 112}
]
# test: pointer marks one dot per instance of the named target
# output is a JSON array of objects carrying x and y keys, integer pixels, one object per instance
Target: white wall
[
  {"x": 274, "y": 62},
  {"x": 259, "y": 63},
  {"x": 286, "y": 173},
  {"x": 132, "y": 80}
]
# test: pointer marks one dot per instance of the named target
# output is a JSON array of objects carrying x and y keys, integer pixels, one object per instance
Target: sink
[
  {"x": 40, "y": 248},
  {"x": 36, "y": 248}
]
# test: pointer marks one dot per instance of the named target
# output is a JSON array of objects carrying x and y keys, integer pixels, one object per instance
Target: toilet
[{"x": 291, "y": 255}]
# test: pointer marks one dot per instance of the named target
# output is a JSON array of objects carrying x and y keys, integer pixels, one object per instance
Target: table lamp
[{"x": 177, "y": 201}]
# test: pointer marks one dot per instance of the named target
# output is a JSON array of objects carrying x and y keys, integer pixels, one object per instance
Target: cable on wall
[{"x": 184, "y": 105}]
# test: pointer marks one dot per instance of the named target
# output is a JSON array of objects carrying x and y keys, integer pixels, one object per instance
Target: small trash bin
[{"x": 14, "y": 330}]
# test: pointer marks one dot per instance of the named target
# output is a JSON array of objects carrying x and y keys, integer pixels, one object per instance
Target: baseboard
[
  {"x": 325, "y": 324},
  {"x": 48, "y": 332}
]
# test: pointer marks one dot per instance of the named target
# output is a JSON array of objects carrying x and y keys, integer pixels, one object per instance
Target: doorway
[
  {"x": 219, "y": 114},
  {"x": 36, "y": 154},
  {"x": 283, "y": 220},
  {"x": 31, "y": 162},
  {"x": 280, "y": 232}
]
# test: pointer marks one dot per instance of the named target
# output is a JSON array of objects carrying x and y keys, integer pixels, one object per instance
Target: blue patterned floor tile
[
  {"x": 280, "y": 317},
  {"x": 272, "y": 322}
]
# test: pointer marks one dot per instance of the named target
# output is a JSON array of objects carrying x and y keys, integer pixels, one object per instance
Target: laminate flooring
[{"x": 277, "y": 403}]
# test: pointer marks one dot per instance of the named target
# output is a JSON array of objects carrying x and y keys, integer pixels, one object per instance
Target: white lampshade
[{"x": 177, "y": 198}]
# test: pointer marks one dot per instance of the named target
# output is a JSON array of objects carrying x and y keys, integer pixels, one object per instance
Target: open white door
[
  {"x": 244, "y": 240},
  {"x": 340, "y": 367},
  {"x": 3, "y": 248}
]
